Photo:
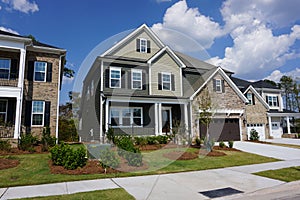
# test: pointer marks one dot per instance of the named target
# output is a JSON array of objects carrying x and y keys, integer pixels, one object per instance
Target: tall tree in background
[{"x": 286, "y": 84}]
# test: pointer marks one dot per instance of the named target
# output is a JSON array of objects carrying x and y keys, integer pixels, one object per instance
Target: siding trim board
[{"x": 257, "y": 96}]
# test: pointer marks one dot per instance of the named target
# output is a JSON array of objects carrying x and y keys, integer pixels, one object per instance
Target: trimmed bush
[
  {"x": 5, "y": 145},
  {"x": 162, "y": 139},
  {"x": 110, "y": 135},
  {"x": 230, "y": 144},
  {"x": 222, "y": 144},
  {"x": 254, "y": 135},
  {"x": 198, "y": 141},
  {"x": 47, "y": 140},
  {"x": 109, "y": 158},
  {"x": 27, "y": 142},
  {"x": 152, "y": 140}
]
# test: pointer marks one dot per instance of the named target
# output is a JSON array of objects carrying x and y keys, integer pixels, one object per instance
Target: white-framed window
[
  {"x": 40, "y": 69},
  {"x": 250, "y": 98},
  {"x": 273, "y": 101},
  {"x": 166, "y": 81},
  {"x": 37, "y": 118},
  {"x": 126, "y": 117},
  {"x": 115, "y": 77},
  {"x": 136, "y": 80},
  {"x": 143, "y": 45},
  {"x": 4, "y": 68},
  {"x": 3, "y": 110},
  {"x": 218, "y": 85}
]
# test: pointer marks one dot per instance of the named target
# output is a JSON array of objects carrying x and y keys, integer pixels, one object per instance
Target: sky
[{"x": 256, "y": 39}]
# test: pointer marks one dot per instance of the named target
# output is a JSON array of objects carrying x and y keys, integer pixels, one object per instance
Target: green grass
[
  {"x": 33, "y": 168},
  {"x": 112, "y": 194},
  {"x": 285, "y": 174}
]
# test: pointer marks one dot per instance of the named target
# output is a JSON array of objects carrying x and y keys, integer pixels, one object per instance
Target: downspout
[{"x": 58, "y": 94}]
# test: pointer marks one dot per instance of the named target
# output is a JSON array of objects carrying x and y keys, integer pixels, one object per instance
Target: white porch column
[
  {"x": 270, "y": 126},
  {"x": 101, "y": 119},
  {"x": 106, "y": 114},
  {"x": 159, "y": 119},
  {"x": 288, "y": 125},
  {"x": 156, "y": 118},
  {"x": 21, "y": 68},
  {"x": 186, "y": 121},
  {"x": 18, "y": 118}
]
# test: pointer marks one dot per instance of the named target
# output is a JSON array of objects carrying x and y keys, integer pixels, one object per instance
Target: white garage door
[{"x": 260, "y": 128}]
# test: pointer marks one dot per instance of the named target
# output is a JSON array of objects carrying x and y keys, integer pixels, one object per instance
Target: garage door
[
  {"x": 260, "y": 128},
  {"x": 222, "y": 129}
]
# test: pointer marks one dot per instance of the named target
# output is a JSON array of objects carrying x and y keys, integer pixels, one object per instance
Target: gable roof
[
  {"x": 257, "y": 96},
  {"x": 264, "y": 84},
  {"x": 143, "y": 27}
]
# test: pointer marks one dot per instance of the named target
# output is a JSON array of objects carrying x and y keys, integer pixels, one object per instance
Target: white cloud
[
  {"x": 188, "y": 21},
  {"x": 8, "y": 30},
  {"x": 277, "y": 74},
  {"x": 67, "y": 80},
  {"x": 22, "y": 5}
]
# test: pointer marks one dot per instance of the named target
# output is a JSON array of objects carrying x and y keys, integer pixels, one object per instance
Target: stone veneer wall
[{"x": 45, "y": 91}]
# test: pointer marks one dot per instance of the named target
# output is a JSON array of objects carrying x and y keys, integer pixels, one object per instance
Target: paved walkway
[{"x": 187, "y": 185}]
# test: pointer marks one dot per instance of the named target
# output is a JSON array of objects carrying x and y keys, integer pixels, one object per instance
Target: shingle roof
[
  {"x": 10, "y": 34},
  {"x": 264, "y": 84},
  {"x": 240, "y": 82}
]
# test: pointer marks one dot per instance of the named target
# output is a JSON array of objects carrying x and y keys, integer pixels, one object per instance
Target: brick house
[{"x": 30, "y": 81}]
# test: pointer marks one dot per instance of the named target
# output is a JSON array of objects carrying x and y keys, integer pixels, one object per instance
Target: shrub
[
  {"x": 134, "y": 159},
  {"x": 47, "y": 140},
  {"x": 222, "y": 144},
  {"x": 63, "y": 155},
  {"x": 110, "y": 135},
  {"x": 162, "y": 139},
  {"x": 198, "y": 141},
  {"x": 152, "y": 140},
  {"x": 5, "y": 145},
  {"x": 230, "y": 144},
  {"x": 254, "y": 135},
  {"x": 27, "y": 142},
  {"x": 108, "y": 158}
]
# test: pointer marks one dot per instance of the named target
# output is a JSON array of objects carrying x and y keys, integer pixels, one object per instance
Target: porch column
[
  {"x": 186, "y": 121},
  {"x": 21, "y": 68},
  {"x": 106, "y": 114},
  {"x": 159, "y": 119},
  {"x": 156, "y": 118},
  {"x": 17, "y": 118},
  {"x": 101, "y": 119},
  {"x": 270, "y": 125},
  {"x": 288, "y": 125}
]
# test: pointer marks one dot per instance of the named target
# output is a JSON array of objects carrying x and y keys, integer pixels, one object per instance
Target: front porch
[{"x": 8, "y": 117}]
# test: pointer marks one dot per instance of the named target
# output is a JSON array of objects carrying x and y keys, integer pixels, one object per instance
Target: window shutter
[
  {"x": 49, "y": 72},
  {"x": 144, "y": 84},
  {"x": 28, "y": 110},
  {"x": 11, "y": 110},
  {"x": 253, "y": 99},
  {"x": 129, "y": 80},
  {"x": 159, "y": 82},
  {"x": 123, "y": 79},
  {"x": 30, "y": 70},
  {"x": 107, "y": 78},
  {"x": 47, "y": 113},
  {"x": 267, "y": 99},
  {"x": 138, "y": 45},
  {"x": 148, "y": 46},
  {"x": 277, "y": 101},
  {"x": 223, "y": 86},
  {"x": 214, "y": 85},
  {"x": 173, "y": 82},
  {"x": 14, "y": 69}
]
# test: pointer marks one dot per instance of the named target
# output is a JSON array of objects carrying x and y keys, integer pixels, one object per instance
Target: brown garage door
[{"x": 222, "y": 129}]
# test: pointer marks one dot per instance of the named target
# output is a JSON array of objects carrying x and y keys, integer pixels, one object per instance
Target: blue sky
[{"x": 256, "y": 39}]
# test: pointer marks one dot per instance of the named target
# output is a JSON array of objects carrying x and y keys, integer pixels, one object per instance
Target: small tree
[
  {"x": 179, "y": 131},
  {"x": 205, "y": 106}
]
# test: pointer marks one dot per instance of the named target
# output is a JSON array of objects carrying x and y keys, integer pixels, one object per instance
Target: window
[
  {"x": 3, "y": 110},
  {"x": 38, "y": 113},
  {"x": 166, "y": 81},
  {"x": 143, "y": 45},
  {"x": 40, "y": 69},
  {"x": 126, "y": 117},
  {"x": 218, "y": 85},
  {"x": 275, "y": 125},
  {"x": 250, "y": 98},
  {"x": 115, "y": 78},
  {"x": 136, "y": 79},
  {"x": 5, "y": 68},
  {"x": 273, "y": 101}
]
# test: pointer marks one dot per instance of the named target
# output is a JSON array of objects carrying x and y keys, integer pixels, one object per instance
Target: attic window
[
  {"x": 218, "y": 85},
  {"x": 143, "y": 45},
  {"x": 250, "y": 98}
]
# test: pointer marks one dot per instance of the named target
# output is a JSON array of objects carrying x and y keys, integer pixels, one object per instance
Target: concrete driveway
[{"x": 285, "y": 141}]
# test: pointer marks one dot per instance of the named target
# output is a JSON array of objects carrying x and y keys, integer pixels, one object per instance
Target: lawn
[
  {"x": 285, "y": 174},
  {"x": 34, "y": 169},
  {"x": 112, "y": 194}
]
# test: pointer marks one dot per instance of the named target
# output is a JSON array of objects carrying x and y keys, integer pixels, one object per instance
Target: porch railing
[{"x": 7, "y": 131}]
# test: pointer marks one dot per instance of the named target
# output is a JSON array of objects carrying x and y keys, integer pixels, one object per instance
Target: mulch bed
[
  {"x": 225, "y": 148},
  {"x": 180, "y": 155},
  {"x": 16, "y": 151},
  {"x": 8, "y": 163},
  {"x": 156, "y": 147}
]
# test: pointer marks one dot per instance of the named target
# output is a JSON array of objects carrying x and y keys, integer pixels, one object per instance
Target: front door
[{"x": 166, "y": 120}]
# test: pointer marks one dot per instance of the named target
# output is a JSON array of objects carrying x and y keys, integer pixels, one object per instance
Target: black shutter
[
  {"x": 173, "y": 82},
  {"x": 107, "y": 78},
  {"x": 253, "y": 99},
  {"x": 122, "y": 79},
  {"x": 11, "y": 110},
  {"x": 159, "y": 82},
  {"x": 28, "y": 110},
  {"x": 214, "y": 84},
  {"x": 14, "y": 69},
  {"x": 277, "y": 101},
  {"x": 144, "y": 78},
  {"x": 148, "y": 46},
  {"x": 129, "y": 80},
  {"x": 30, "y": 70},
  {"x": 138, "y": 45},
  {"x": 47, "y": 113},
  {"x": 267, "y": 99},
  {"x": 223, "y": 86},
  {"x": 49, "y": 72}
]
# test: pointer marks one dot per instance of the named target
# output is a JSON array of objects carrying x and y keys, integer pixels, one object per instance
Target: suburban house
[
  {"x": 265, "y": 112},
  {"x": 30, "y": 81}
]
